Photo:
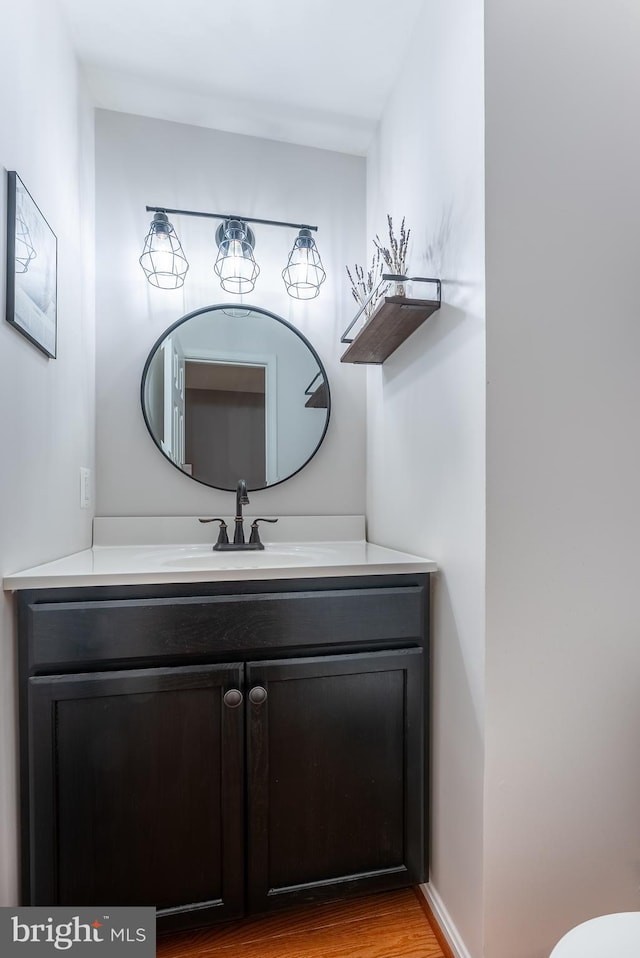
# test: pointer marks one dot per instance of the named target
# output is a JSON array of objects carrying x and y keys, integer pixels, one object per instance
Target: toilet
[{"x": 609, "y": 936}]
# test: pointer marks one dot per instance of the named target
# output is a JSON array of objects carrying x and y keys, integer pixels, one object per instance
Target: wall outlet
[{"x": 85, "y": 488}]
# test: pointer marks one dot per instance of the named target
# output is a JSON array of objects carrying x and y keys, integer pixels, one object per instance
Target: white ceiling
[{"x": 316, "y": 72}]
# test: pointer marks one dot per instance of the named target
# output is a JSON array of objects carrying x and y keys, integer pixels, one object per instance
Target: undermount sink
[{"x": 241, "y": 559}]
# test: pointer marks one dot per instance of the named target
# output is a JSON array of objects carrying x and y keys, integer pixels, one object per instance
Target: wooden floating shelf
[
  {"x": 319, "y": 398},
  {"x": 393, "y": 321}
]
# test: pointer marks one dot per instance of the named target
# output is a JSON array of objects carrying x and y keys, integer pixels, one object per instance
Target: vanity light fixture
[
  {"x": 235, "y": 263},
  {"x": 163, "y": 259},
  {"x": 304, "y": 273}
]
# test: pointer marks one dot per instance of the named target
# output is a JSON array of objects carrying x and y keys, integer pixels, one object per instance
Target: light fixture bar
[{"x": 227, "y": 216}]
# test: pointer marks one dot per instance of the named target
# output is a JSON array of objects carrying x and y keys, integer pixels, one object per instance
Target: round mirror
[{"x": 233, "y": 393}]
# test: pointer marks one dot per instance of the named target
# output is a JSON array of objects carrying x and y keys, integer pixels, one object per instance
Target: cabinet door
[
  {"x": 137, "y": 791},
  {"x": 336, "y": 776}
]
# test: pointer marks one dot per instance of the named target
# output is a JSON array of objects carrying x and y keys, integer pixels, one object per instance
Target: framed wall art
[{"x": 32, "y": 267}]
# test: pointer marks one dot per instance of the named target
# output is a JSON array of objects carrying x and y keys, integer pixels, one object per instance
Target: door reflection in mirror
[{"x": 226, "y": 400}]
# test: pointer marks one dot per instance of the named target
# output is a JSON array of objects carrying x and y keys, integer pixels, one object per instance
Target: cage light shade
[
  {"x": 304, "y": 273},
  {"x": 235, "y": 263},
  {"x": 163, "y": 259}
]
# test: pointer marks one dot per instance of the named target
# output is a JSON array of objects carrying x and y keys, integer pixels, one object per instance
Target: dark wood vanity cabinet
[
  {"x": 220, "y": 749},
  {"x": 137, "y": 790}
]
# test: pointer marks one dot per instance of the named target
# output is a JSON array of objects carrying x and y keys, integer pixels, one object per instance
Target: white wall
[
  {"x": 47, "y": 423},
  {"x": 425, "y": 462},
  {"x": 563, "y": 469},
  {"x": 144, "y": 161}
]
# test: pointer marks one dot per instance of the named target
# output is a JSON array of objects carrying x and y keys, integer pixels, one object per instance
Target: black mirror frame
[{"x": 254, "y": 309}]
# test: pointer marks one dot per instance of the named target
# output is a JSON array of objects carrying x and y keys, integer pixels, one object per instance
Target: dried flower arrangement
[
  {"x": 363, "y": 285},
  {"x": 395, "y": 255}
]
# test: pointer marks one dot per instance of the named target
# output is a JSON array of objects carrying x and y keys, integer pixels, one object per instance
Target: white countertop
[{"x": 143, "y": 564}]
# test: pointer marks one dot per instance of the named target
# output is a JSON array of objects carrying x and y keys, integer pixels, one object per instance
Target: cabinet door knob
[
  {"x": 257, "y": 695},
  {"x": 233, "y": 698}
]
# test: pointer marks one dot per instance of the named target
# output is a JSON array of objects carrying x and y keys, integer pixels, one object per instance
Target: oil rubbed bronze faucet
[
  {"x": 242, "y": 499},
  {"x": 223, "y": 544}
]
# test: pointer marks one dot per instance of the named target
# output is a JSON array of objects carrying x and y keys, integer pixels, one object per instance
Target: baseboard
[{"x": 443, "y": 919}]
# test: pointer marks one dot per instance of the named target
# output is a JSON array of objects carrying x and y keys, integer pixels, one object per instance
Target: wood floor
[{"x": 392, "y": 925}]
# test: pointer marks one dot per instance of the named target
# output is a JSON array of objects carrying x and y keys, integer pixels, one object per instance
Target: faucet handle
[
  {"x": 254, "y": 538},
  {"x": 223, "y": 538}
]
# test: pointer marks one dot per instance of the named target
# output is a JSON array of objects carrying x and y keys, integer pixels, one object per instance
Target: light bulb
[
  {"x": 163, "y": 259},
  {"x": 235, "y": 264},
  {"x": 304, "y": 273}
]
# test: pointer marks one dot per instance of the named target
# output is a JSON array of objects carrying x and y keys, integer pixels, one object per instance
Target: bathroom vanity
[{"x": 227, "y": 735}]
